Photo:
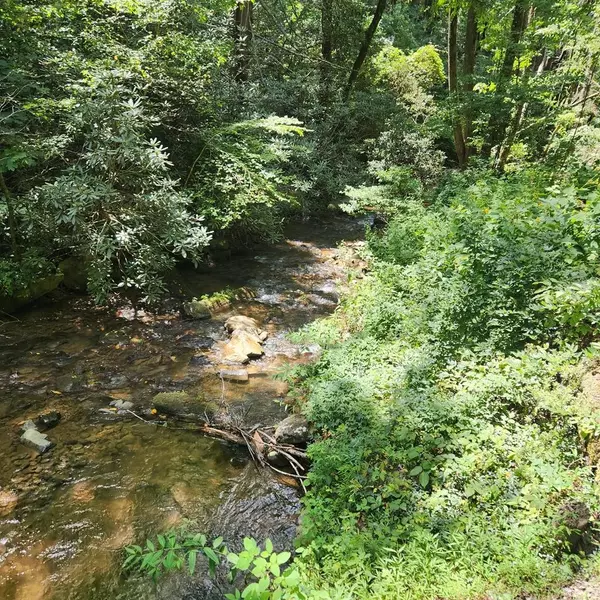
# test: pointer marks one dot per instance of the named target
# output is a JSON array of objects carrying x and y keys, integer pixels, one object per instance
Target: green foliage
[
  {"x": 173, "y": 552},
  {"x": 262, "y": 571},
  {"x": 451, "y": 453},
  {"x": 238, "y": 182}
]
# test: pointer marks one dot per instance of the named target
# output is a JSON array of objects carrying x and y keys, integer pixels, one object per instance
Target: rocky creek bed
[{"x": 111, "y": 479}]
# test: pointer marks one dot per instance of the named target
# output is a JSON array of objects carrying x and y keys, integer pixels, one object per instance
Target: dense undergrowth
[{"x": 451, "y": 457}]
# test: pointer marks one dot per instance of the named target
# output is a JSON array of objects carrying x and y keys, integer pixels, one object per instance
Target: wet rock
[
  {"x": 47, "y": 421},
  {"x": 182, "y": 404},
  {"x": 293, "y": 430},
  {"x": 199, "y": 361},
  {"x": 242, "y": 323},
  {"x": 122, "y": 405},
  {"x": 196, "y": 309},
  {"x": 116, "y": 382},
  {"x": 240, "y": 375},
  {"x": 242, "y": 347},
  {"x": 33, "y": 291},
  {"x": 276, "y": 459},
  {"x": 36, "y": 440}
]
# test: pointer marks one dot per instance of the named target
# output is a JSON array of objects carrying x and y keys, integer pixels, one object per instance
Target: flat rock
[
  {"x": 122, "y": 404},
  {"x": 240, "y": 375},
  {"x": 36, "y": 440},
  {"x": 242, "y": 323},
  {"x": 293, "y": 430},
  {"x": 181, "y": 404},
  {"x": 242, "y": 347}
]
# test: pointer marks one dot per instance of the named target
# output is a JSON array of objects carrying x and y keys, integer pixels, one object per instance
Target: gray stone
[
  {"x": 47, "y": 421},
  {"x": 29, "y": 424},
  {"x": 116, "y": 382},
  {"x": 122, "y": 404},
  {"x": 293, "y": 430},
  {"x": 276, "y": 459},
  {"x": 36, "y": 440},
  {"x": 196, "y": 309},
  {"x": 240, "y": 375}
]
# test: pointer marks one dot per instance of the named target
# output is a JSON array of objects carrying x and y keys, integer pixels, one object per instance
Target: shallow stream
[{"x": 110, "y": 479}]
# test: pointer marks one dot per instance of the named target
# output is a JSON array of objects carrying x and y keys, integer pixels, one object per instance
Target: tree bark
[
  {"x": 326, "y": 50},
  {"x": 468, "y": 73},
  {"x": 517, "y": 119},
  {"x": 12, "y": 222},
  {"x": 243, "y": 38},
  {"x": 459, "y": 140},
  {"x": 497, "y": 123},
  {"x": 364, "y": 48}
]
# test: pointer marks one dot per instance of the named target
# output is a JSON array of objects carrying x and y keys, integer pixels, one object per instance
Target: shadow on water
[{"x": 112, "y": 480}]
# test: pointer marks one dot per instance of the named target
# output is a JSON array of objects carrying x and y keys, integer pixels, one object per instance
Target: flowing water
[{"x": 112, "y": 480}]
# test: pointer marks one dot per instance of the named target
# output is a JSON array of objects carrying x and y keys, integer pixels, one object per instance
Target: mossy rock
[
  {"x": 182, "y": 404},
  {"x": 34, "y": 290},
  {"x": 197, "y": 309}
]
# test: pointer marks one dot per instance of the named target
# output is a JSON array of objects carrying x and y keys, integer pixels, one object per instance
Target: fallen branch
[{"x": 259, "y": 444}]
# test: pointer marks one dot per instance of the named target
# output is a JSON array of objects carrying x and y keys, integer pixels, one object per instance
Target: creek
[{"x": 111, "y": 479}]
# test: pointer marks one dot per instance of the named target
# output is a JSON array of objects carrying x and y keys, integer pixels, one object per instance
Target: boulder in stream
[
  {"x": 36, "y": 440},
  {"x": 292, "y": 430},
  {"x": 243, "y": 323},
  {"x": 240, "y": 375},
  {"x": 242, "y": 347},
  {"x": 182, "y": 404},
  {"x": 196, "y": 309}
]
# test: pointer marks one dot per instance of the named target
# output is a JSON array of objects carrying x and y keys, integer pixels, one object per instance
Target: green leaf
[{"x": 192, "y": 561}]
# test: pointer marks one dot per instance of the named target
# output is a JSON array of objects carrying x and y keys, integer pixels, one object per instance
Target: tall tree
[
  {"x": 326, "y": 50},
  {"x": 457, "y": 128},
  {"x": 364, "y": 47},
  {"x": 243, "y": 38}
]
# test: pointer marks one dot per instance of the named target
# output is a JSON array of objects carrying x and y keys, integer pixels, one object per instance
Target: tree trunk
[
  {"x": 459, "y": 140},
  {"x": 326, "y": 50},
  {"x": 243, "y": 38},
  {"x": 517, "y": 119},
  {"x": 468, "y": 72},
  {"x": 364, "y": 48},
  {"x": 497, "y": 123},
  {"x": 12, "y": 223}
]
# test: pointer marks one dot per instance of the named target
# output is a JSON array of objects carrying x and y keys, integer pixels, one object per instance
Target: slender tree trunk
[
  {"x": 364, "y": 48},
  {"x": 243, "y": 38},
  {"x": 459, "y": 140},
  {"x": 517, "y": 119},
  {"x": 468, "y": 72},
  {"x": 326, "y": 50},
  {"x": 497, "y": 123},
  {"x": 12, "y": 223}
]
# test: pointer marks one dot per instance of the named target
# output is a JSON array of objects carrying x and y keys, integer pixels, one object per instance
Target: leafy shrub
[
  {"x": 451, "y": 425},
  {"x": 261, "y": 571}
]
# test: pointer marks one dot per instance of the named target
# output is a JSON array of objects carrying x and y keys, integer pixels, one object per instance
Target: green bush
[{"x": 452, "y": 452}]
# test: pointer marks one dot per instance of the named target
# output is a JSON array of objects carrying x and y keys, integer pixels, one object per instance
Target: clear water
[{"x": 112, "y": 480}]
